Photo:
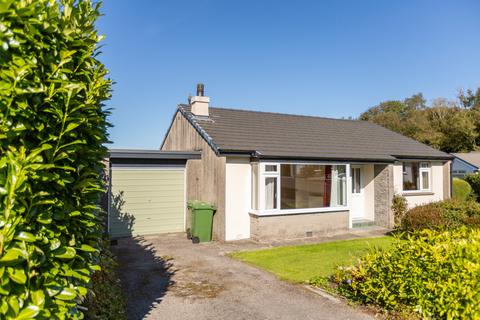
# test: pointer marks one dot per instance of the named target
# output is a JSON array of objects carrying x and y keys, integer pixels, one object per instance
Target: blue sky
[{"x": 326, "y": 58}]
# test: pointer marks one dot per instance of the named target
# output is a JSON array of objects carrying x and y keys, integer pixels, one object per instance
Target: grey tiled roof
[
  {"x": 470, "y": 157},
  {"x": 275, "y": 135}
]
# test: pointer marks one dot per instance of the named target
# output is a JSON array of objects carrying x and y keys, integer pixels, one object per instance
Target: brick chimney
[{"x": 199, "y": 103}]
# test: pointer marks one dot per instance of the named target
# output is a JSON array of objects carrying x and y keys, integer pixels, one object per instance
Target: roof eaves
[
  {"x": 407, "y": 157},
  {"x": 200, "y": 130},
  {"x": 329, "y": 159}
]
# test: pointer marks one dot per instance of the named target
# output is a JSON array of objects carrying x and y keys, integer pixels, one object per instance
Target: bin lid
[{"x": 197, "y": 204}]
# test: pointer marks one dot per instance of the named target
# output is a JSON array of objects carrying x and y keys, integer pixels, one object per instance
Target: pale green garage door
[{"x": 146, "y": 201}]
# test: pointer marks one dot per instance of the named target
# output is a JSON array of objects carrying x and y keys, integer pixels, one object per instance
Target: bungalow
[{"x": 279, "y": 176}]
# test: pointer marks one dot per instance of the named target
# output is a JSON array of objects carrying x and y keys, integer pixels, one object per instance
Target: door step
[{"x": 362, "y": 223}]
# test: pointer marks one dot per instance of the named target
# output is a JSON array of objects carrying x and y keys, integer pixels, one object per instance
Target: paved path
[{"x": 167, "y": 277}]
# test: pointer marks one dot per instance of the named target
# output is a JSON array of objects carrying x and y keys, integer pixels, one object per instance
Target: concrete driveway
[{"x": 167, "y": 277}]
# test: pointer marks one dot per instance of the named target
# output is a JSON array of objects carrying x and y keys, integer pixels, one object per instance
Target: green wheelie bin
[{"x": 201, "y": 220}]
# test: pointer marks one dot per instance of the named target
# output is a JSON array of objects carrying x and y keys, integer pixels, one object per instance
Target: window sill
[
  {"x": 417, "y": 193},
  {"x": 297, "y": 211}
]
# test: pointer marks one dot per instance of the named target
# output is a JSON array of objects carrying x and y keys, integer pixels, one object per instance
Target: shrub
[
  {"x": 428, "y": 216},
  {"x": 106, "y": 300},
  {"x": 434, "y": 274},
  {"x": 461, "y": 189},
  {"x": 399, "y": 208},
  {"x": 443, "y": 214},
  {"x": 474, "y": 180},
  {"x": 52, "y": 127}
]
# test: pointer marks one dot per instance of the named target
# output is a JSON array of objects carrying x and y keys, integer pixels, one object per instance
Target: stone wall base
[{"x": 297, "y": 226}]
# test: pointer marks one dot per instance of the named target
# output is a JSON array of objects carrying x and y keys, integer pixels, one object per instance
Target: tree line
[{"x": 451, "y": 126}]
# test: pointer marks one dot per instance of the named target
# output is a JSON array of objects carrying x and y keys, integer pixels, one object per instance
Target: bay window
[
  {"x": 416, "y": 176},
  {"x": 299, "y": 186}
]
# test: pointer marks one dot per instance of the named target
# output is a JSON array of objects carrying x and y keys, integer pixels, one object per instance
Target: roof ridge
[{"x": 281, "y": 113}]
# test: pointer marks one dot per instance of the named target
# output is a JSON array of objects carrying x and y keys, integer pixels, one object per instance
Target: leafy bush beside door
[{"x": 52, "y": 127}]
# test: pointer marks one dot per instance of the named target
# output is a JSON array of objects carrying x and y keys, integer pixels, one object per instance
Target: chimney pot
[
  {"x": 200, "y": 89},
  {"x": 199, "y": 103}
]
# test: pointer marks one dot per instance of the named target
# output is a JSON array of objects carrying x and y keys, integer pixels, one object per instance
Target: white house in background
[{"x": 465, "y": 163}]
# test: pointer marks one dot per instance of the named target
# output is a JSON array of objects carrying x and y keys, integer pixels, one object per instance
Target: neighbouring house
[
  {"x": 271, "y": 175},
  {"x": 465, "y": 163}
]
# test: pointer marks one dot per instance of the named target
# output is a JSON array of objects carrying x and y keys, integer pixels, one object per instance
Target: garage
[{"x": 147, "y": 192}]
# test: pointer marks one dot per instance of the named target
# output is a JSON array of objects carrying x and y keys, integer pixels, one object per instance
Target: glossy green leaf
[
  {"x": 17, "y": 275},
  {"x": 66, "y": 294},
  {"x": 65, "y": 253},
  {"x": 3, "y": 306},
  {"x": 54, "y": 243},
  {"x": 30, "y": 312},
  {"x": 13, "y": 256},
  {"x": 25, "y": 236},
  {"x": 14, "y": 305},
  {"x": 87, "y": 248},
  {"x": 38, "y": 297}
]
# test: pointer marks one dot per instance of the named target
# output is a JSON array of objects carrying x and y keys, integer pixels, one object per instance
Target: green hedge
[
  {"x": 442, "y": 214},
  {"x": 474, "y": 180},
  {"x": 434, "y": 274},
  {"x": 461, "y": 189},
  {"x": 52, "y": 128}
]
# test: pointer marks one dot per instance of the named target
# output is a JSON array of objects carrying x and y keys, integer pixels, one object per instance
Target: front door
[{"x": 357, "y": 203}]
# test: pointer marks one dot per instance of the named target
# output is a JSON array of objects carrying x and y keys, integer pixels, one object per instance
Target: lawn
[{"x": 302, "y": 263}]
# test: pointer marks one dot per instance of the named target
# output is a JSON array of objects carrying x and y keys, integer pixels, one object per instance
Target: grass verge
[{"x": 300, "y": 264}]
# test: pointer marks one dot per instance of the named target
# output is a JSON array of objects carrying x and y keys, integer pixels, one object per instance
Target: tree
[
  {"x": 52, "y": 130},
  {"x": 442, "y": 125},
  {"x": 469, "y": 99}
]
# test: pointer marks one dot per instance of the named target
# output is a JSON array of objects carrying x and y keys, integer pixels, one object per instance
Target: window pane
[
  {"x": 424, "y": 165},
  {"x": 340, "y": 179},
  {"x": 425, "y": 180},
  {"x": 270, "y": 193},
  {"x": 270, "y": 168},
  {"x": 312, "y": 186},
  {"x": 411, "y": 180}
]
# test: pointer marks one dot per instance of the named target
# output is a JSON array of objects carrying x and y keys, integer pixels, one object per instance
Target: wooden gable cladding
[{"x": 205, "y": 177}]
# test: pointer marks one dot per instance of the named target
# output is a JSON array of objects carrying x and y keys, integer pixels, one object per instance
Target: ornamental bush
[
  {"x": 52, "y": 127},
  {"x": 461, "y": 189},
  {"x": 449, "y": 213},
  {"x": 474, "y": 180},
  {"x": 431, "y": 273}
]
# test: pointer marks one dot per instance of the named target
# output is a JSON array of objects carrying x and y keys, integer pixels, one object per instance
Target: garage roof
[{"x": 153, "y": 154}]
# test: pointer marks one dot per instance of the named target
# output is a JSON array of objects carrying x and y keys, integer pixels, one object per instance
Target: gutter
[
  {"x": 329, "y": 159},
  {"x": 445, "y": 158}
]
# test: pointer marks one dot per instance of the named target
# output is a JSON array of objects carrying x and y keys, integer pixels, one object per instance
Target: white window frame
[
  {"x": 262, "y": 174},
  {"x": 427, "y": 169}
]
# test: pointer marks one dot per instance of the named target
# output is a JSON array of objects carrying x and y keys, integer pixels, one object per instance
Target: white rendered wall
[
  {"x": 238, "y": 185},
  {"x": 436, "y": 180}
]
